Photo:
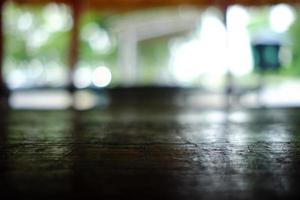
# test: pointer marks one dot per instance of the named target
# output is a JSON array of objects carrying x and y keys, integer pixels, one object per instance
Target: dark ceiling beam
[{"x": 116, "y": 5}]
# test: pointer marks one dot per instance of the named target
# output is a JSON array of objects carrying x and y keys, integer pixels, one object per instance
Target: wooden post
[
  {"x": 74, "y": 45},
  {"x": 3, "y": 89},
  {"x": 229, "y": 88}
]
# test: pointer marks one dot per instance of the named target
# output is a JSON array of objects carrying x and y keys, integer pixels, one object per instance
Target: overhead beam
[{"x": 117, "y": 5}]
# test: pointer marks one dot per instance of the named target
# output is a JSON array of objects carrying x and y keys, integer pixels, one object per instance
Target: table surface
[{"x": 150, "y": 152}]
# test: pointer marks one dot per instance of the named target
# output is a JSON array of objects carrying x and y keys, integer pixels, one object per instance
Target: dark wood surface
[{"x": 150, "y": 152}]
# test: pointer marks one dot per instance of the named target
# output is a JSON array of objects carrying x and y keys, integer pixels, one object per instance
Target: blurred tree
[
  {"x": 295, "y": 32},
  {"x": 154, "y": 58}
]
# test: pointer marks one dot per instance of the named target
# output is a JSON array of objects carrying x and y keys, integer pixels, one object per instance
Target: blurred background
[{"x": 248, "y": 56}]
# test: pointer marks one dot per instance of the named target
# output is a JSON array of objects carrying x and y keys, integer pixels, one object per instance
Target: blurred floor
[{"x": 150, "y": 151}]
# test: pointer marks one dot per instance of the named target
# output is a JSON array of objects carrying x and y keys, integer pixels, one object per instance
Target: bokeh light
[
  {"x": 101, "y": 76},
  {"x": 281, "y": 17}
]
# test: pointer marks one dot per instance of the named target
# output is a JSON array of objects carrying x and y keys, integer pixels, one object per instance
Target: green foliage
[
  {"x": 154, "y": 54},
  {"x": 295, "y": 33},
  {"x": 21, "y": 47},
  {"x": 19, "y": 43},
  {"x": 259, "y": 19}
]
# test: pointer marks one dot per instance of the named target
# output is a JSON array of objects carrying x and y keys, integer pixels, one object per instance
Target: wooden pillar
[
  {"x": 3, "y": 89},
  {"x": 229, "y": 88},
  {"x": 74, "y": 44}
]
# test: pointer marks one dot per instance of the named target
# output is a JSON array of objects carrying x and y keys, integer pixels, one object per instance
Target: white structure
[{"x": 137, "y": 27}]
